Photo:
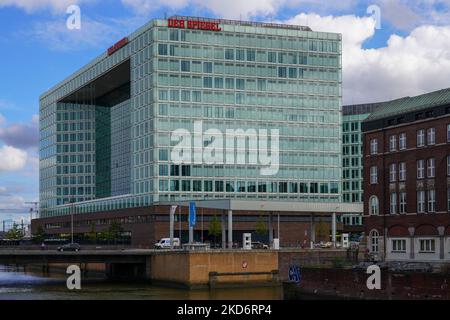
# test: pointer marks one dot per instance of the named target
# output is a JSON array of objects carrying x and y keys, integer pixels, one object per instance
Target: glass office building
[
  {"x": 352, "y": 163},
  {"x": 106, "y": 131}
]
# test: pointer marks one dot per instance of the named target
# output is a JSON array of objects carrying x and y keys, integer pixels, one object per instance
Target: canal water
[{"x": 17, "y": 284}]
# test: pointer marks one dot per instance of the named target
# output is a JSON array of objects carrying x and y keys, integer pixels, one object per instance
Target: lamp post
[{"x": 71, "y": 219}]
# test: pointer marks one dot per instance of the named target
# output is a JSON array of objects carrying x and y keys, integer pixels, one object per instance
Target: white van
[{"x": 164, "y": 243}]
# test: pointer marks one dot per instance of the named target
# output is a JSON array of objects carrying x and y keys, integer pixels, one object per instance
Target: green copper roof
[{"x": 409, "y": 104}]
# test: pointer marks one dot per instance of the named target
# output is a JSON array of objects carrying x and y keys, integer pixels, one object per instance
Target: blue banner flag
[{"x": 192, "y": 214}]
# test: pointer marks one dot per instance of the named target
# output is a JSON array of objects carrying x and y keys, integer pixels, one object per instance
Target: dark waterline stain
[{"x": 16, "y": 284}]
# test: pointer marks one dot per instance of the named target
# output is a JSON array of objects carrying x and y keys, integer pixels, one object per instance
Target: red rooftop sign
[
  {"x": 194, "y": 24},
  {"x": 117, "y": 46}
]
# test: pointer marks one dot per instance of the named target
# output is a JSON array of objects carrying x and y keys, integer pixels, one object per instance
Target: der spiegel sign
[{"x": 194, "y": 24}]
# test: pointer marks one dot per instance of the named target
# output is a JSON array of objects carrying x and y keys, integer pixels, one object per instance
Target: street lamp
[{"x": 71, "y": 219}]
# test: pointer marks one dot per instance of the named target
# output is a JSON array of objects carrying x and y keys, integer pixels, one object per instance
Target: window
[
  {"x": 398, "y": 245},
  {"x": 448, "y": 199},
  {"x": 271, "y": 56},
  {"x": 207, "y": 67},
  {"x": 229, "y": 54},
  {"x": 293, "y": 73},
  {"x": 431, "y": 167},
  {"x": 374, "y": 146},
  {"x": 373, "y": 175},
  {"x": 229, "y": 83},
  {"x": 393, "y": 203},
  {"x": 185, "y": 66},
  {"x": 374, "y": 235},
  {"x": 448, "y": 133},
  {"x": 448, "y": 165},
  {"x": 163, "y": 170},
  {"x": 420, "y": 169},
  {"x": 402, "y": 171},
  {"x": 392, "y": 143},
  {"x": 374, "y": 208},
  {"x": 251, "y": 55},
  {"x": 402, "y": 141},
  {"x": 162, "y": 49},
  {"x": 163, "y": 155},
  {"x": 282, "y": 73},
  {"x": 240, "y": 54},
  {"x": 240, "y": 84},
  {"x": 427, "y": 245},
  {"x": 431, "y": 200},
  {"x": 420, "y": 201},
  {"x": 392, "y": 172},
  {"x": 403, "y": 202},
  {"x": 431, "y": 136},
  {"x": 207, "y": 82},
  {"x": 421, "y": 138}
]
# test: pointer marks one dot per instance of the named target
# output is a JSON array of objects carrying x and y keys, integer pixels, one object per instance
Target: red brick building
[
  {"x": 407, "y": 178},
  {"x": 294, "y": 223}
]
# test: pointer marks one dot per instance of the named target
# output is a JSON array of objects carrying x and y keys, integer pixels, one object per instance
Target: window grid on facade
[
  {"x": 431, "y": 200},
  {"x": 398, "y": 245},
  {"x": 420, "y": 138},
  {"x": 431, "y": 136},
  {"x": 402, "y": 141},
  {"x": 393, "y": 203},
  {"x": 393, "y": 143}
]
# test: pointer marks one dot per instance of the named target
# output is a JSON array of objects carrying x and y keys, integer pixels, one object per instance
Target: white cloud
[
  {"x": 12, "y": 159},
  {"x": 232, "y": 9},
  {"x": 20, "y": 135},
  {"x": 93, "y": 34},
  {"x": 33, "y": 5},
  {"x": 410, "y": 65}
]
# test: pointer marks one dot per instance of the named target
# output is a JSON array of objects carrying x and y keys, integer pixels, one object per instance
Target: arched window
[
  {"x": 373, "y": 205},
  {"x": 373, "y": 238}
]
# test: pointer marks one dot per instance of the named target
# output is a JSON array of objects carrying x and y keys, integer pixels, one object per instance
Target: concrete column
[
  {"x": 171, "y": 229},
  {"x": 270, "y": 228},
  {"x": 411, "y": 231},
  {"x": 333, "y": 229},
  {"x": 441, "y": 231},
  {"x": 191, "y": 234},
  {"x": 224, "y": 235},
  {"x": 230, "y": 229}
]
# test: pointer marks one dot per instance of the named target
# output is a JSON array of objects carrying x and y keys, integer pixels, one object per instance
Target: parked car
[
  {"x": 164, "y": 243},
  {"x": 259, "y": 245},
  {"x": 69, "y": 247},
  {"x": 362, "y": 265},
  {"x": 413, "y": 267}
]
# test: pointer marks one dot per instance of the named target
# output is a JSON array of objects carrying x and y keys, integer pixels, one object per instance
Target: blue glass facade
[{"x": 118, "y": 154}]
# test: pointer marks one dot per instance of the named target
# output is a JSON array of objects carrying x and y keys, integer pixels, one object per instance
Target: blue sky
[{"x": 409, "y": 55}]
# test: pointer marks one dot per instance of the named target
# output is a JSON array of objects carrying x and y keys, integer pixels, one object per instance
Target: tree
[
  {"x": 214, "y": 228},
  {"x": 114, "y": 230},
  {"x": 15, "y": 233},
  {"x": 40, "y": 234},
  {"x": 92, "y": 235},
  {"x": 261, "y": 227}
]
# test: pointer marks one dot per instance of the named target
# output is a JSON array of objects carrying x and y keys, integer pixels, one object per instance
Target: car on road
[
  {"x": 164, "y": 243},
  {"x": 259, "y": 245},
  {"x": 69, "y": 247}
]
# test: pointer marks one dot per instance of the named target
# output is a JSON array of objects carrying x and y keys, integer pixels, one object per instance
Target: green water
[{"x": 17, "y": 284}]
